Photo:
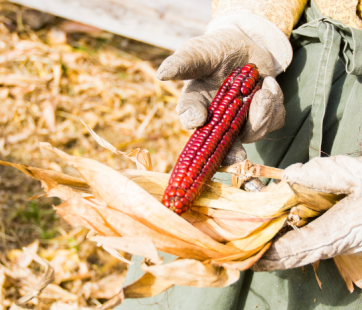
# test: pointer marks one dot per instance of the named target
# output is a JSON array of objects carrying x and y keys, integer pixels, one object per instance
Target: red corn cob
[{"x": 209, "y": 145}]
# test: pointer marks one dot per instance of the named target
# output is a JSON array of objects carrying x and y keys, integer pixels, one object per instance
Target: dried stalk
[{"x": 247, "y": 170}]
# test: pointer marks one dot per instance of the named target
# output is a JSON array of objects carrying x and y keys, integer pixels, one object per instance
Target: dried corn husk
[{"x": 227, "y": 230}]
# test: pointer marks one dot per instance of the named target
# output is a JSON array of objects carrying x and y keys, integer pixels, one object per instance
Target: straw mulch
[{"x": 54, "y": 73}]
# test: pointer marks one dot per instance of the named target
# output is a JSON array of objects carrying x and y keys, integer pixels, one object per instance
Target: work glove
[
  {"x": 338, "y": 231},
  {"x": 231, "y": 40}
]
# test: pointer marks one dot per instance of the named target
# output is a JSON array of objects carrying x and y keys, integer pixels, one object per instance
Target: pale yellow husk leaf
[
  {"x": 224, "y": 197},
  {"x": 350, "y": 267},
  {"x": 119, "y": 193},
  {"x": 186, "y": 272},
  {"x": 304, "y": 211}
]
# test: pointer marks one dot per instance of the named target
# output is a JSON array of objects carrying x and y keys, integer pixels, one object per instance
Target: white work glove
[
  {"x": 336, "y": 232},
  {"x": 231, "y": 40}
]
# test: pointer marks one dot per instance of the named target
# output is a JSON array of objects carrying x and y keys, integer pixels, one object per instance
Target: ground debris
[{"x": 54, "y": 73}]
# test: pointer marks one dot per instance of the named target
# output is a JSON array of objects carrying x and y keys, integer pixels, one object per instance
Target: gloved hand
[
  {"x": 231, "y": 40},
  {"x": 338, "y": 231}
]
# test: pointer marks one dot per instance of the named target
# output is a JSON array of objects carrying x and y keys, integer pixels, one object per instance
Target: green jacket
[{"x": 324, "y": 116}]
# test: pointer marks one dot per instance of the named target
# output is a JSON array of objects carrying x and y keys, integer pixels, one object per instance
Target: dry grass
[{"x": 51, "y": 76}]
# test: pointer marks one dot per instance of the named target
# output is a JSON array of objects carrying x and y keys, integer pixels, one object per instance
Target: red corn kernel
[
  {"x": 185, "y": 185},
  {"x": 180, "y": 192},
  {"x": 245, "y": 91},
  {"x": 194, "y": 170},
  {"x": 189, "y": 196},
  {"x": 251, "y": 81},
  {"x": 254, "y": 74},
  {"x": 171, "y": 192},
  {"x": 181, "y": 171},
  {"x": 192, "y": 175},
  {"x": 177, "y": 179},
  {"x": 248, "y": 100},
  {"x": 245, "y": 69},
  {"x": 250, "y": 65},
  {"x": 176, "y": 184},
  {"x": 180, "y": 175},
  {"x": 193, "y": 189},
  {"x": 247, "y": 85},
  {"x": 188, "y": 179}
]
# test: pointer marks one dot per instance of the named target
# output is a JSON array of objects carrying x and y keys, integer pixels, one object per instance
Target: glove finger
[
  {"x": 266, "y": 114},
  {"x": 236, "y": 154},
  {"x": 201, "y": 56},
  {"x": 337, "y": 174},
  {"x": 272, "y": 85},
  {"x": 336, "y": 232},
  {"x": 193, "y": 103}
]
